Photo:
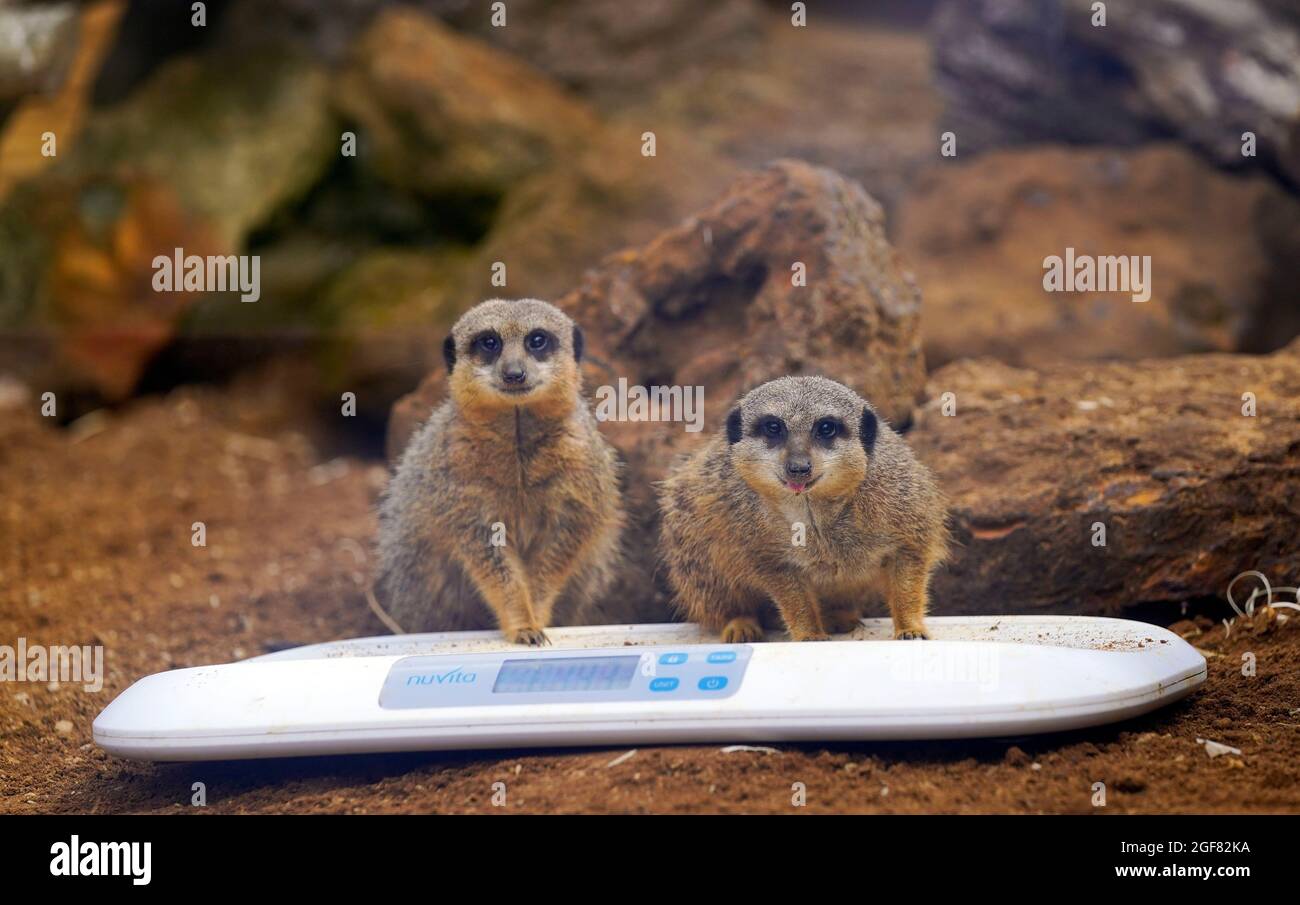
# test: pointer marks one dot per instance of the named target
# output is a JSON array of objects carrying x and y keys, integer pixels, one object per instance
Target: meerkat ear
[
  {"x": 734, "y": 427},
  {"x": 579, "y": 343},
  {"x": 449, "y": 352},
  {"x": 867, "y": 429}
]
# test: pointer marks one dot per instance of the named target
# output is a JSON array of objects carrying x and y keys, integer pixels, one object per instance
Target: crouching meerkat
[
  {"x": 505, "y": 504},
  {"x": 805, "y": 501}
]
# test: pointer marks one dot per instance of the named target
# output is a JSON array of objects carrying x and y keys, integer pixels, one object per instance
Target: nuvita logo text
[{"x": 455, "y": 676}]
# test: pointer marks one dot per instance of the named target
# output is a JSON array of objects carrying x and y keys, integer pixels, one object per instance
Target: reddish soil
[{"x": 95, "y": 548}]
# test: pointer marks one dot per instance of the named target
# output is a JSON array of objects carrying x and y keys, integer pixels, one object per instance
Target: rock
[
  {"x": 711, "y": 303},
  {"x": 37, "y": 43},
  {"x": 442, "y": 113},
  {"x": 611, "y": 49},
  {"x": 1023, "y": 71},
  {"x": 205, "y": 152},
  {"x": 605, "y": 48},
  {"x": 826, "y": 84},
  {"x": 387, "y": 316},
  {"x": 451, "y": 120},
  {"x": 1189, "y": 490},
  {"x": 56, "y": 100},
  {"x": 978, "y": 233}
]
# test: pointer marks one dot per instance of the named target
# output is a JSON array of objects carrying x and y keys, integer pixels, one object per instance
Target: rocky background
[
  {"x": 921, "y": 164},
  {"x": 921, "y": 159}
]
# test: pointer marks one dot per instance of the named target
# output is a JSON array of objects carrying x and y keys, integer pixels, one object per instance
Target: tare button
[
  {"x": 713, "y": 683},
  {"x": 722, "y": 656}
]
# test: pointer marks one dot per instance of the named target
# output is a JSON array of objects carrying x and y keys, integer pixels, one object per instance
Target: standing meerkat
[
  {"x": 804, "y": 501},
  {"x": 506, "y": 502}
]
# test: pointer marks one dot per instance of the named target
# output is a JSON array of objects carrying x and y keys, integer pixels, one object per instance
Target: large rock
[
  {"x": 611, "y": 48},
  {"x": 443, "y": 113},
  {"x": 500, "y": 165},
  {"x": 1206, "y": 72},
  {"x": 451, "y": 120},
  {"x": 464, "y": 155},
  {"x": 977, "y": 234},
  {"x": 1190, "y": 491},
  {"x": 825, "y": 86},
  {"x": 203, "y": 154},
  {"x": 712, "y": 303}
]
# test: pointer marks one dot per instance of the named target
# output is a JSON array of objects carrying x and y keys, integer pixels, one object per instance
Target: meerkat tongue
[{"x": 797, "y": 488}]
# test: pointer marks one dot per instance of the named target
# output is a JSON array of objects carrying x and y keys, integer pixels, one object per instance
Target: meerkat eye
[
  {"x": 488, "y": 342},
  {"x": 826, "y": 429},
  {"x": 771, "y": 427},
  {"x": 538, "y": 340}
]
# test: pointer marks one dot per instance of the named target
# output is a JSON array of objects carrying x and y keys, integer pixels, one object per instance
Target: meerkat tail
[{"x": 389, "y": 622}]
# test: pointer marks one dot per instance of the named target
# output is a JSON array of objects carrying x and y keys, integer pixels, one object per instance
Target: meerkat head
[
  {"x": 504, "y": 353},
  {"x": 802, "y": 435}
]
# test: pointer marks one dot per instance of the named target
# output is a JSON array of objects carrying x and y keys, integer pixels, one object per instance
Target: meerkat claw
[
  {"x": 533, "y": 637},
  {"x": 911, "y": 635}
]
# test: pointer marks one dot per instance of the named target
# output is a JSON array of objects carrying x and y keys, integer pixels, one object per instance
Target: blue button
[
  {"x": 722, "y": 656},
  {"x": 713, "y": 683},
  {"x": 672, "y": 659},
  {"x": 663, "y": 683}
]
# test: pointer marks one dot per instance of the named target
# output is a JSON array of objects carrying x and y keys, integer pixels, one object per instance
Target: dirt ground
[{"x": 96, "y": 523}]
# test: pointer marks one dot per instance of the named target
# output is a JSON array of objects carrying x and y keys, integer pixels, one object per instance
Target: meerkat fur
[
  {"x": 505, "y": 507},
  {"x": 806, "y": 502}
]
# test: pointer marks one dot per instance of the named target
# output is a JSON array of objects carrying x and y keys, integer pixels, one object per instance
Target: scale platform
[{"x": 655, "y": 684}]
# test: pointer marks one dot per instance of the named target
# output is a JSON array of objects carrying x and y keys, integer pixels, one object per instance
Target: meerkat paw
[
  {"x": 742, "y": 630},
  {"x": 911, "y": 634},
  {"x": 814, "y": 636},
  {"x": 531, "y": 635}
]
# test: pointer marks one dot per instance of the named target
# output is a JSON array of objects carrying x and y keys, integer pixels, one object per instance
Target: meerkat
[
  {"x": 506, "y": 502},
  {"x": 807, "y": 501}
]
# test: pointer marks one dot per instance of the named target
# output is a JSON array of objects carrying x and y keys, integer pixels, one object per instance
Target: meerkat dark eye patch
[
  {"x": 827, "y": 429},
  {"x": 579, "y": 343},
  {"x": 771, "y": 429},
  {"x": 734, "y": 427},
  {"x": 540, "y": 344},
  {"x": 449, "y": 352},
  {"x": 486, "y": 346},
  {"x": 867, "y": 429}
]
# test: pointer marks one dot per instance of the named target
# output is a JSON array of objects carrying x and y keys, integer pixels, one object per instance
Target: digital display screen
[{"x": 566, "y": 674}]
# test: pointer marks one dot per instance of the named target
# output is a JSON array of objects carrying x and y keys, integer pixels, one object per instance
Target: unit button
[
  {"x": 713, "y": 683},
  {"x": 671, "y": 659},
  {"x": 722, "y": 656},
  {"x": 663, "y": 683}
]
